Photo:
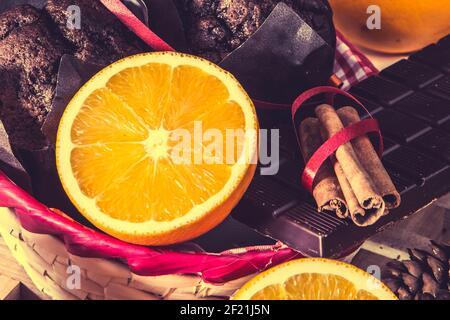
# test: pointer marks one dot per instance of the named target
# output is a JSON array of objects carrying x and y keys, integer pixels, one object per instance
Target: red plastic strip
[
  {"x": 134, "y": 24},
  {"x": 342, "y": 137},
  {"x": 270, "y": 105},
  {"x": 282, "y": 106}
]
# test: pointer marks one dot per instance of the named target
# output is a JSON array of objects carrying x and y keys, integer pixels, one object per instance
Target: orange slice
[
  {"x": 314, "y": 279},
  {"x": 157, "y": 148}
]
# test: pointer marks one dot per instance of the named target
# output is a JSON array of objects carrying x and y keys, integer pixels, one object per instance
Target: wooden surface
[
  {"x": 10, "y": 268},
  {"x": 9, "y": 288},
  {"x": 431, "y": 223}
]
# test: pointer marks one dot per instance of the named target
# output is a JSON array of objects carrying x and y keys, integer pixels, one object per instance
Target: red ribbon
[
  {"x": 84, "y": 242},
  {"x": 134, "y": 24}
]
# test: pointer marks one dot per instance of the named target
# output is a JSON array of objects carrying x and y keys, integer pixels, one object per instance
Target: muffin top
[
  {"x": 214, "y": 28},
  {"x": 102, "y": 38},
  {"x": 30, "y": 52},
  {"x": 32, "y": 42},
  {"x": 17, "y": 18}
]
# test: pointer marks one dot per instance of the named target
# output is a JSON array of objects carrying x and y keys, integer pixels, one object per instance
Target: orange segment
[
  {"x": 314, "y": 279},
  {"x": 105, "y": 118},
  {"x": 148, "y": 98},
  {"x": 158, "y": 148},
  {"x": 320, "y": 287},
  {"x": 194, "y": 94},
  {"x": 94, "y": 169}
]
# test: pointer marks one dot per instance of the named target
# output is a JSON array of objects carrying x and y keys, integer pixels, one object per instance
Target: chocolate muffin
[
  {"x": 17, "y": 18},
  {"x": 101, "y": 39},
  {"x": 32, "y": 43},
  {"x": 214, "y": 28},
  {"x": 29, "y": 56}
]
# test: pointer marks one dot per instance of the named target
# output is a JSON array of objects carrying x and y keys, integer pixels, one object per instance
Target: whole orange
[{"x": 406, "y": 25}]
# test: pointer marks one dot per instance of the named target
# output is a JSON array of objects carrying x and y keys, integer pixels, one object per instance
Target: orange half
[
  {"x": 121, "y": 158},
  {"x": 314, "y": 279}
]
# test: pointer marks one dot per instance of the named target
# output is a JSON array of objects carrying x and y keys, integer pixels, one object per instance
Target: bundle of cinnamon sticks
[{"x": 353, "y": 182}]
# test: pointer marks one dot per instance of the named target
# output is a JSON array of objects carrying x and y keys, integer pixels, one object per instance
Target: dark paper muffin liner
[
  {"x": 41, "y": 164},
  {"x": 72, "y": 74},
  {"x": 284, "y": 57},
  {"x": 166, "y": 23},
  {"x": 9, "y": 163}
]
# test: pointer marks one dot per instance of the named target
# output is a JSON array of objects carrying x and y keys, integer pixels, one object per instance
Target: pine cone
[{"x": 425, "y": 277}]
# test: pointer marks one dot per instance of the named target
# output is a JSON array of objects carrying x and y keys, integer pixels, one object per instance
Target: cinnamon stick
[
  {"x": 370, "y": 160},
  {"x": 326, "y": 189},
  {"x": 355, "y": 210},
  {"x": 359, "y": 181}
]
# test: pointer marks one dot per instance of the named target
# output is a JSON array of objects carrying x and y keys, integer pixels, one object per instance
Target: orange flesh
[
  {"x": 122, "y": 140},
  {"x": 313, "y": 286}
]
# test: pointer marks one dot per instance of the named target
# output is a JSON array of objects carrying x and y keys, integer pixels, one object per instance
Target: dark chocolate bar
[
  {"x": 389, "y": 146},
  {"x": 436, "y": 56},
  {"x": 414, "y": 164},
  {"x": 401, "y": 127},
  {"x": 382, "y": 90},
  {"x": 411, "y": 100},
  {"x": 440, "y": 88},
  {"x": 371, "y": 106},
  {"x": 430, "y": 109},
  {"x": 435, "y": 142},
  {"x": 411, "y": 73},
  {"x": 445, "y": 127}
]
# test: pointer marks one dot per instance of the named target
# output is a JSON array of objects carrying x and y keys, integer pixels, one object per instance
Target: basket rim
[{"x": 85, "y": 242}]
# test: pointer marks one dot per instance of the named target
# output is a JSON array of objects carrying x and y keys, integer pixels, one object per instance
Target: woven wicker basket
[{"x": 46, "y": 261}]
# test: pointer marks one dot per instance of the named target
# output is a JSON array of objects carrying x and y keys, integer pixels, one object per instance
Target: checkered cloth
[{"x": 351, "y": 65}]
